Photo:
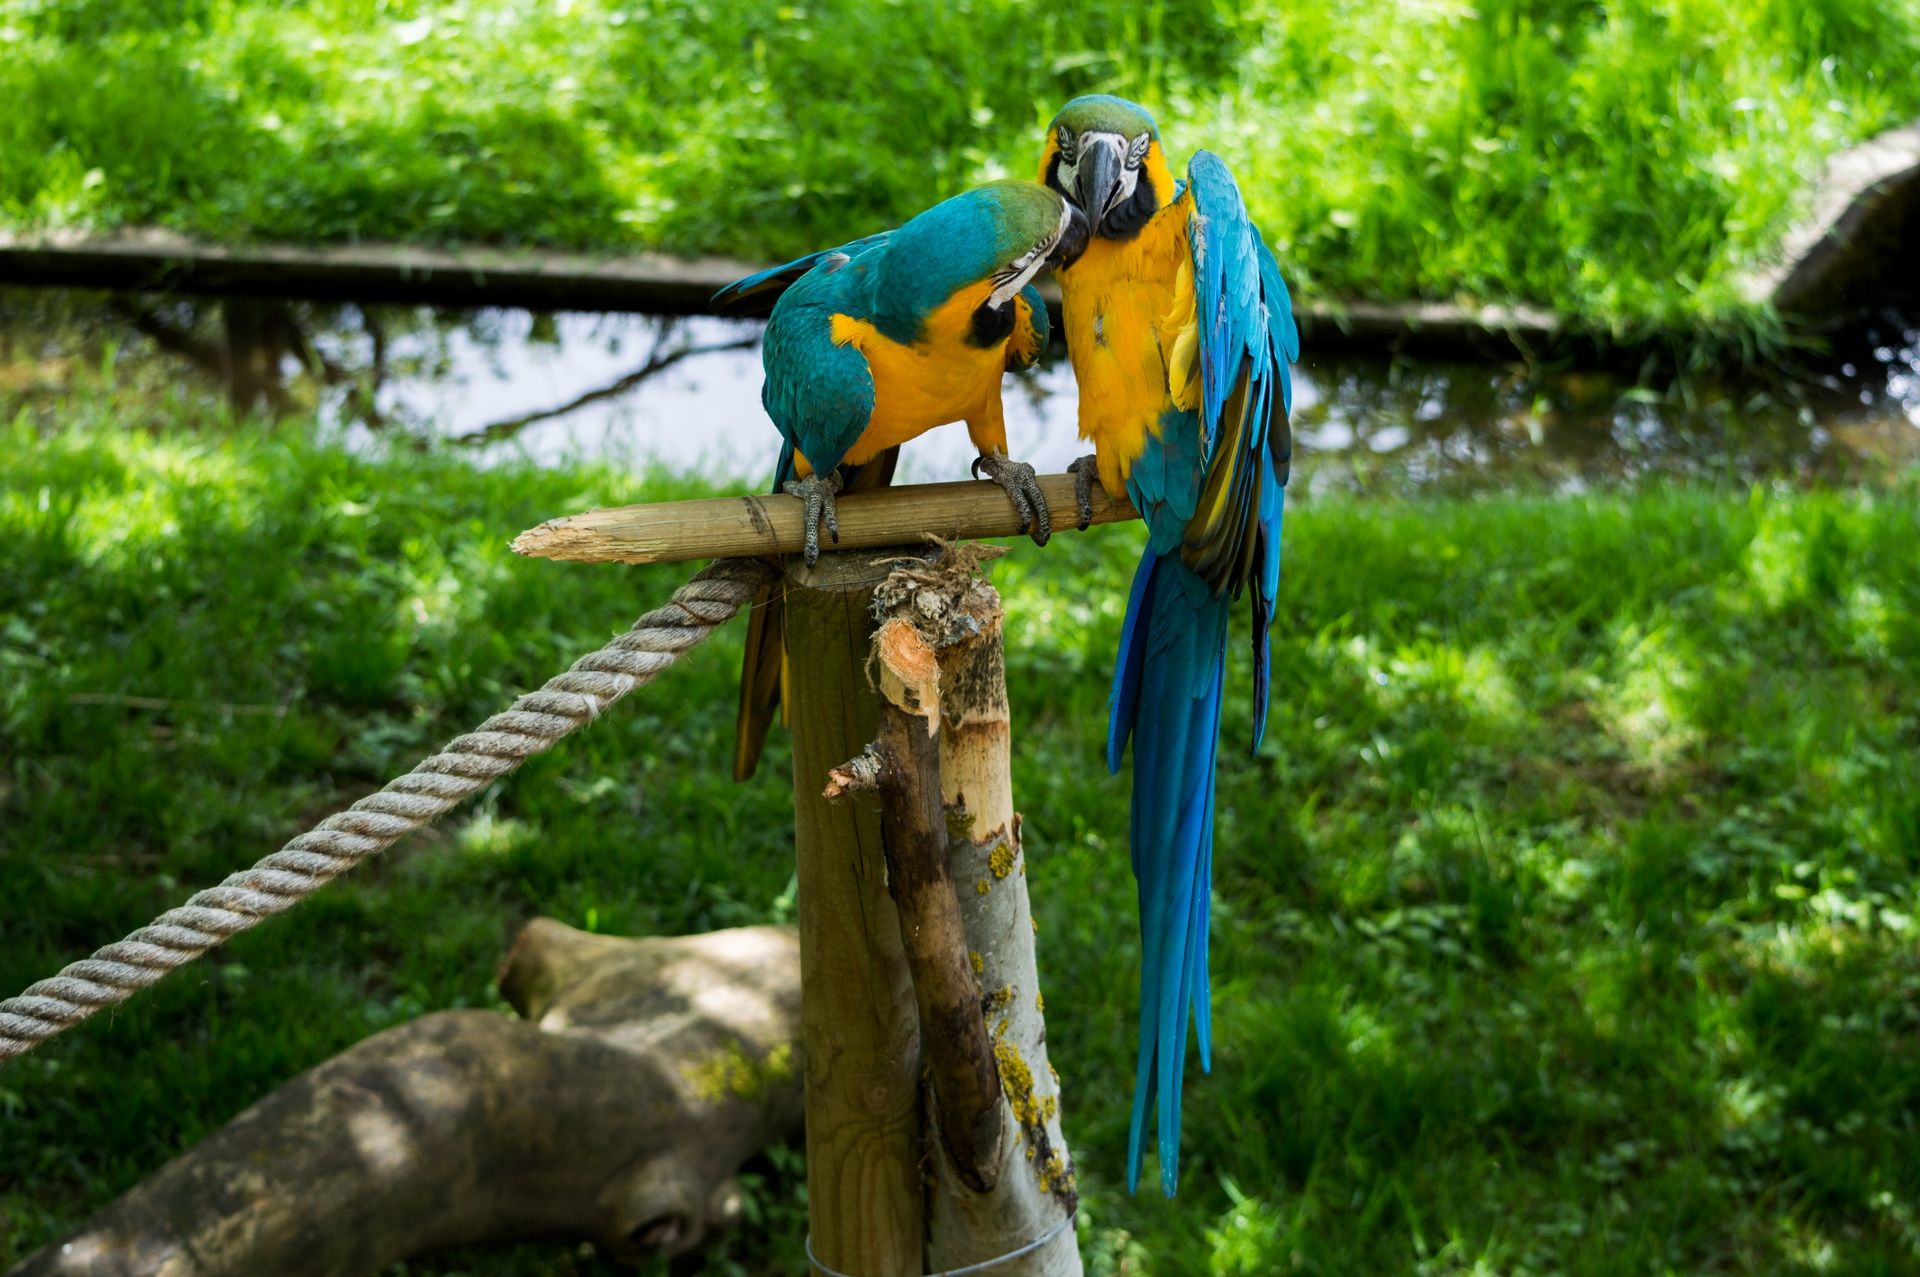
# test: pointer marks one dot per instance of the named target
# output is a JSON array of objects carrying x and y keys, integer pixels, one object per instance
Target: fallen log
[{"x": 617, "y": 1110}]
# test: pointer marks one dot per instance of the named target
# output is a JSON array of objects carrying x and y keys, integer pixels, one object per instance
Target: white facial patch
[
  {"x": 1130, "y": 152},
  {"x": 1017, "y": 275}
]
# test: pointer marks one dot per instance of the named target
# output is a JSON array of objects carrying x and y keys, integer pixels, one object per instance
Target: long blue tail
[{"x": 1166, "y": 695}]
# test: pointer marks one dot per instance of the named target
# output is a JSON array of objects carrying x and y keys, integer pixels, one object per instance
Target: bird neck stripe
[{"x": 1032, "y": 263}]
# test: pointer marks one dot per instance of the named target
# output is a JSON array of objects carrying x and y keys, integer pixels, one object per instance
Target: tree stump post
[
  {"x": 858, "y": 1020},
  {"x": 1000, "y": 1182}
]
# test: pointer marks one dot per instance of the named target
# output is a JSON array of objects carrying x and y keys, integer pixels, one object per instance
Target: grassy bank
[
  {"x": 1621, "y": 162},
  {"x": 1565, "y": 920}
]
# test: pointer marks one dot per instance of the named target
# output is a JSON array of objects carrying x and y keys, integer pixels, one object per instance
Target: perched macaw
[
  {"x": 1180, "y": 331},
  {"x": 880, "y": 340}
]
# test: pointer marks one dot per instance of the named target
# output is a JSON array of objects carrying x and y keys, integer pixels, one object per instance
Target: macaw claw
[
  {"x": 818, "y": 494},
  {"x": 1022, "y": 488},
  {"x": 1084, "y": 472}
]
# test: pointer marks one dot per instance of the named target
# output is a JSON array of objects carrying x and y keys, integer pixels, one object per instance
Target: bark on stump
[{"x": 644, "y": 1073}]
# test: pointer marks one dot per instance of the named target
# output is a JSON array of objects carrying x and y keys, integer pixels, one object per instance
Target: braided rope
[{"x": 466, "y": 765}]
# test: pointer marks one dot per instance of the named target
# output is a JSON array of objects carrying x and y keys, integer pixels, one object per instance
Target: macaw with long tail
[
  {"x": 880, "y": 340},
  {"x": 1180, "y": 331}
]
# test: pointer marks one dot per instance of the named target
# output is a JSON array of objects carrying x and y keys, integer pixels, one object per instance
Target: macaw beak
[
  {"x": 1073, "y": 240},
  {"x": 1097, "y": 184}
]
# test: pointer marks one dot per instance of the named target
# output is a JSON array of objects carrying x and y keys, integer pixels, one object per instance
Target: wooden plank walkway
[{"x": 163, "y": 261}]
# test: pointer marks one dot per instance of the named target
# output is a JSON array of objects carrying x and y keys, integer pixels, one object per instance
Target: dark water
[{"x": 686, "y": 392}]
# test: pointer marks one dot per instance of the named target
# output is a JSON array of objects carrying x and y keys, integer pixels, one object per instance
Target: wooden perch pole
[
  {"x": 741, "y": 527},
  {"x": 857, "y": 1008}
]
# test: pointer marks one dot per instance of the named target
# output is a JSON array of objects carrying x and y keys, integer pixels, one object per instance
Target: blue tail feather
[
  {"x": 1167, "y": 694},
  {"x": 1265, "y": 590},
  {"x": 1126, "y": 667},
  {"x": 1202, "y": 910}
]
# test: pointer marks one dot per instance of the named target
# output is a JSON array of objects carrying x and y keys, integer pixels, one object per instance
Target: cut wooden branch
[
  {"x": 618, "y": 1111},
  {"x": 739, "y": 527},
  {"x": 904, "y": 766},
  {"x": 862, "y": 1036},
  {"x": 1002, "y": 1183}
]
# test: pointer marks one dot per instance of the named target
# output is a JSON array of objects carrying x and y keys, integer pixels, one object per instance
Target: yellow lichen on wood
[
  {"x": 982, "y": 887},
  {"x": 733, "y": 1074},
  {"x": 978, "y": 963},
  {"x": 1000, "y": 859},
  {"x": 1016, "y": 1082},
  {"x": 1055, "y": 1175},
  {"x": 1032, "y": 1112}
]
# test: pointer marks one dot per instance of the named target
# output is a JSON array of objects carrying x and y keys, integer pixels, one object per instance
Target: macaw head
[
  {"x": 1005, "y": 233},
  {"x": 1033, "y": 230},
  {"x": 1103, "y": 154}
]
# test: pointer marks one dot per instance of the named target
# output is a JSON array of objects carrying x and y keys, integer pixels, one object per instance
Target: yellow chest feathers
[
  {"x": 940, "y": 378},
  {"x": 1127, "y": 305}
]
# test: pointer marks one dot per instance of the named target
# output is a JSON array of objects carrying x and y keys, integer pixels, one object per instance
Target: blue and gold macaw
[
  {"x": 875, "y": 342},
  {"x": 1180, "y": 331}
]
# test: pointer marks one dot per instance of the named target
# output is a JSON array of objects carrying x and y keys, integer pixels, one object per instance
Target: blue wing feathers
[
  {"x": 756, "y": 293},
  {"x": 819, "y": 394},
  {"x": 1248, "y": 335},
  {"x": 1246, "y": 323}
]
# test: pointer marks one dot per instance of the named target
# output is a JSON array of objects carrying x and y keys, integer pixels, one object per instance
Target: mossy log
[{"x": 617, "y": 1110}]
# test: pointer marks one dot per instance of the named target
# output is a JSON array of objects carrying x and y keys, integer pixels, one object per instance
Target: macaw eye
[
  {"x": 1137, "y": 150},
  {"x": 1067, "y": 151}
]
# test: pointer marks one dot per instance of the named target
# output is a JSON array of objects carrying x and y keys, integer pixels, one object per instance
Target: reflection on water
[{"x": 686, "y": 393}]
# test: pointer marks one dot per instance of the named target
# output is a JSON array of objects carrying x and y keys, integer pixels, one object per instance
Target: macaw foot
[
  {"x": 818, "y": 493},
  {"x": 1084, "y": 472},
  {"x": 1023, "y": 489}
]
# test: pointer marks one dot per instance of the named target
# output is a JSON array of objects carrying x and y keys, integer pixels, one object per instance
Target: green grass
[
  {"x": 1565, "y": 921},
  {"x": 1621, "y": 162}
]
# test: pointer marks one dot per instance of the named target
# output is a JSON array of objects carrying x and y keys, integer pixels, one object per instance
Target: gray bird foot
[
  {"x": 1084, "y": 472},
  {"x": 1022, "y": 488},
  {"x": 818, "y": 494}
]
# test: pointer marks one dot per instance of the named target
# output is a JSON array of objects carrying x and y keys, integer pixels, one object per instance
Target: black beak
[
  {"x": 1097, "y": 183},
  {"x": 1073, "y": 240}
]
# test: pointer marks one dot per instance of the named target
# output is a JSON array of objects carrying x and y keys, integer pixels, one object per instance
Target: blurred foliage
[
  {"x": 1622, "y": 162},
  {"x": 1565, "y": 920}
]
